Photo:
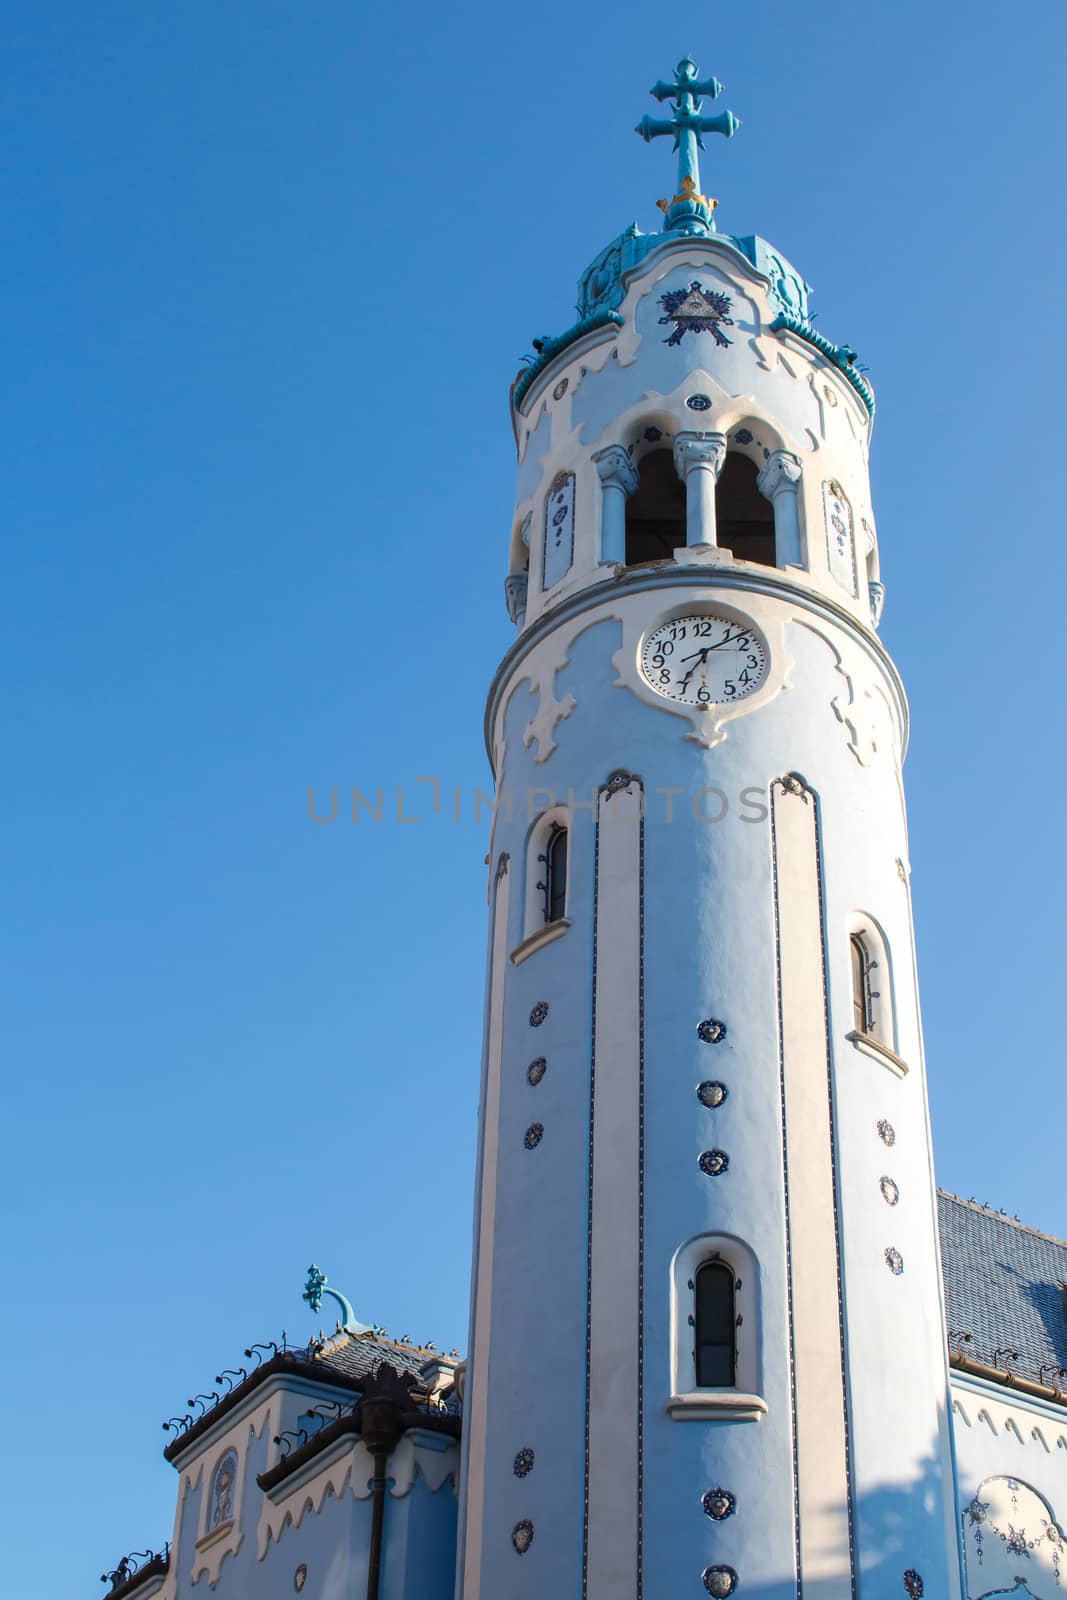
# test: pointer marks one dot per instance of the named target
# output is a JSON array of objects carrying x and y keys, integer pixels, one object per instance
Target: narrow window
[
  {"x": 744, "y": 519},
  {"x": 863, "y": 995},
  {"x": 553, "y": 881},
  {"x": 655, "y": 512},
  {"x": 715, "y": 1351}
]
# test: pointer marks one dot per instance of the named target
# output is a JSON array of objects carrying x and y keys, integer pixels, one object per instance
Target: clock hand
[
  {"x": 731, "y": 639},
  {"x": 702, "y": 661}
]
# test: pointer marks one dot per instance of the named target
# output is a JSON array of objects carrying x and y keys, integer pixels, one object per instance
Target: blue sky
[{"x": 268, "y": 271}]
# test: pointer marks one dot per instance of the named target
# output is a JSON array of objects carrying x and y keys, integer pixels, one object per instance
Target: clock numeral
[{"x": 730, "y": 687}]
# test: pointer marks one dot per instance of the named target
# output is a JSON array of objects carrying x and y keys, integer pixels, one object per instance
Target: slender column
[
  {"x": 698, "y": 460},
  {"x": 613, "y": 1396},
  {"x": 779, "y": 482},
  {"x": 824, "y": 1535},
  {"x": 619, "y": 479}
]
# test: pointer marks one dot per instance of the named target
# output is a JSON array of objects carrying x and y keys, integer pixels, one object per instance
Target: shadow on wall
[{"x": 900, "y": 1534}]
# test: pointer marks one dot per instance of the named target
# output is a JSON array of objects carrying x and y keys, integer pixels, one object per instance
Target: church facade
[{"x": 726, "y": 1334}]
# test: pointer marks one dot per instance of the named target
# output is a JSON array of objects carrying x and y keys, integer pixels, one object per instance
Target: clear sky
[{"x": 268, "y": 271}]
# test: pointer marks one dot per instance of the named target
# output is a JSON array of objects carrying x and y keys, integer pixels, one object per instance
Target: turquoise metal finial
[
  {"x": 689, "y": 211},
  {"x": 314, "y": 1289}
]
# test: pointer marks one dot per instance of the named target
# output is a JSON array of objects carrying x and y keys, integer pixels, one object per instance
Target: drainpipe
[{"x": 384, "y": 1401}]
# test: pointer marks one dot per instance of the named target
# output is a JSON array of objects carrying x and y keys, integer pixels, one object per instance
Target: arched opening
[
  {"x": 862, "y": 993},
  {"x": 871, "y": 983},
  {"x": 655, "y": 512},
  {"x": 715, "y": 1323},
  {"x": 554, "y": 881},
  {"x": 744, "y": 519}
]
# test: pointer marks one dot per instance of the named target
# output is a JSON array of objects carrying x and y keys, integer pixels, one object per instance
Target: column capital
[
  {"x": 616, "y": 469},
  {"x": 695, "y": 449},
  {"x": 515, "y": 587},
  {"x": 783, "y": 470}
]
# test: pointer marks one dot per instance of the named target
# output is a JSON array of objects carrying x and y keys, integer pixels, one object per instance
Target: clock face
[{"x": 704, "y": 660}]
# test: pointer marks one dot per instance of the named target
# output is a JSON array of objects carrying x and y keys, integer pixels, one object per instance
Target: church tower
[{"x": 707, "y": 1347}]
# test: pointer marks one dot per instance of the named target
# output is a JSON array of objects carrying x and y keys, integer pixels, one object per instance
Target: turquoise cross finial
[{"x": 689, "y": 211}]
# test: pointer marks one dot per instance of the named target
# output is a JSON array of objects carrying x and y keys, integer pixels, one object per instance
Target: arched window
[
  {"x": 744, "y": 519},
  {"x": 863, "y": 993},
  {"x": 655, "y": 512},
  {"x": 715, "y": 1330},
  {"x": 553, "y": 881},
  {"x": 871, "y": 981},
  {"x": 714, "y": 1322}
]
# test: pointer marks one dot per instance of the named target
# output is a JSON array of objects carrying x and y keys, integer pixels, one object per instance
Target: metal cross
[{"x": 686, "y": 127}]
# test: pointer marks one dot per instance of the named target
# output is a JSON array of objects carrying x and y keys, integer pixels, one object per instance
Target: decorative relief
[
  {"x": 913, "y": 1584},
  {"x": 539, "y": 1013},
  {"x": 223, "y": 1484},
  {"x": 840, "y": 543},
  {"x": 559, "y": 530},
  {"x": 523, "y": 1464},
  {"x": 719, "y": 1581},
  {"x": 719, "y": 1504},
  {"x": 300, "y": 1576},
  {"x": 894, "y": 1261},
  {"x": 536, "y": 1071},
  {"x": 561, "y": 389},
  {"x": 696, "y": 310},
  {"x": 887, "y": 1133},
  {"x": 699, "y": 402},
  {"x": 890, "y": 1192},
  {"x": 743, "y": 436},
  {"x": 522, "y": 1536},
  {"x": 711, "y": 1094},
  {"x": 1009, "y": 1526},
  {"x": 876, "y": 591},
  {"x": 533, "y": 1135},
  {"x": 714, "y": 1162},
  {"x": 711, "y": 1030}
]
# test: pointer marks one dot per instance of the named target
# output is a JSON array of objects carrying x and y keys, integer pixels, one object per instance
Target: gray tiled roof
[
  {"x": 1004, "y": 1285},
  {"x": 361, "y": 1355}
]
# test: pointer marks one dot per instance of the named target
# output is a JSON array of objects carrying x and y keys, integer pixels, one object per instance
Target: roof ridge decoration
[
  {"x": 316, "y": 1286},
  {"x": 689, "y": 211},
  {"x": 1002, "y": 1216}
]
